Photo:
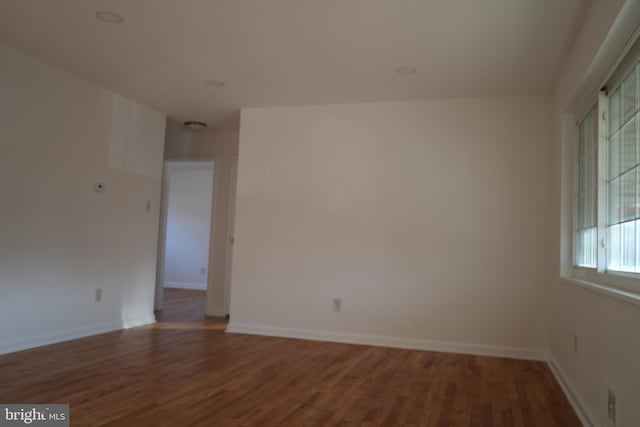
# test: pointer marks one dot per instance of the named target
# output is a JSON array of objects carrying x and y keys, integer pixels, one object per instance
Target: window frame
[
  {"x": 621, "y": 282},
  {"x": 576, "y": 187}
]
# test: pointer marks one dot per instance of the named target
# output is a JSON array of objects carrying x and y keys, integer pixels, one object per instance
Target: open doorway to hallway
[
  {"x": 220, "y": 146},
  {"x": 185, "y": 232},
  {"x": 184, "y": 309}
]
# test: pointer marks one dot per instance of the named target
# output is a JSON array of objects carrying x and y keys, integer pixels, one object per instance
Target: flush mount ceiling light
[
  {"x": 215, "y": 83},
  {"x": 405, "y": 70},
  {"x": 195, "y": 125},
  {"x": 110, "y": 17}
]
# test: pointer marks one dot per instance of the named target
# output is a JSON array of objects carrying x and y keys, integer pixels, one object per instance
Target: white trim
[
  {"x": 231, "y": 217},
  {"x": 57, "y": 337},
  {"x": 395, "y": 342},
  {"x": 582, "y": 410},
  {"x": 609, "y": 291},
  {"x": 179, "y": 285},
  {"x": 602, "y": 177},
  {"x": 213, "y": 234},
  {"x": 140, "y": 321},
  {"x": 162, "y": 239},
  {"x": 74, "y": 333},
  {"x": 217, "y": 312}
]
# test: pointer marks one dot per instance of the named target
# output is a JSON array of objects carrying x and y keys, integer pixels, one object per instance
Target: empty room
[{"x": 320, "y": 213}]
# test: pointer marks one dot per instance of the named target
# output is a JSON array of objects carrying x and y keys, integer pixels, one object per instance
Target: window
[
  {"x": 586, "y": 217},
  {"x": 623, "y": 227},
  {"x": 607, "y": 179}
]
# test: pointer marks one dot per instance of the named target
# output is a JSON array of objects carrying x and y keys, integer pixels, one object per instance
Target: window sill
[{"x": 619, "y": 294}]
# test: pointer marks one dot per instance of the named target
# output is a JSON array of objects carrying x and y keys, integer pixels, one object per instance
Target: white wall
[
  {"x": 188, "y": 224},
  {"x": 607, "y": 328},
  {"x": 428, "y": 219},
  {"x": 182, "y": 144},
  {"x": 60, "y": 241}
]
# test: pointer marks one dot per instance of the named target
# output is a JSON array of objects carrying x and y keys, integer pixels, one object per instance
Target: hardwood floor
[{"x": 185, "y": 371}]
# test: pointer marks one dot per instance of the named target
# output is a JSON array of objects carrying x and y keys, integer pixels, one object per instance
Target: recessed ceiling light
[
  {"x": 215, "y": 83},
  {"x": 195, "y": 125},
  {"x": 110, "y": 17},
  {"x": 405, "y": 70}
]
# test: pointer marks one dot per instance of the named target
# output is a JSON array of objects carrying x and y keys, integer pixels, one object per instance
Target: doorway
[{"x": 185, "y": 230}]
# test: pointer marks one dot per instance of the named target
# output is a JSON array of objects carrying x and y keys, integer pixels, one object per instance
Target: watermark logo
[{"x": 34, "y": 415}]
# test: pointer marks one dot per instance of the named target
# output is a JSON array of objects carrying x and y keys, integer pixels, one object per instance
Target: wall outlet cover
[{"x": 609, "y": 402}]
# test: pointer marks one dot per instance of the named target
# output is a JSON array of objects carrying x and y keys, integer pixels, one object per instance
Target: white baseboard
[
  {"x": 382, "y": 341},
  {"x": 178, "y": 285},
  {"x": 75, "y": 333},
  {"x": 70, "y": 334},
  {"x": 141, "y": 321},
  {"x": 216, "y": 312},
  {"x": 582, "y": 410}
]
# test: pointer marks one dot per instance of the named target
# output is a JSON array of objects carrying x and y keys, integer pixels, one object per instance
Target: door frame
[
  {"x": 162, "y": 231},
  {"x": 233, "y": 191}
]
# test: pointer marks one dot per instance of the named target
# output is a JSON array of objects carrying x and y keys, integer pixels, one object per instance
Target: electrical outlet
[
  {"x": 203, "y": 270},
  {"x": 611, "y": 406},
  {"x": 337, "y": 304},
  {"x": 575, "y": 343},
  {"x": 609, "y": 402},
  {"x": 98, "y": 295}
]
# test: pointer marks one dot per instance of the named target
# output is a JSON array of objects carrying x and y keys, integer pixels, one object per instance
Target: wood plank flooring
[{"x": 185, "y": 371}]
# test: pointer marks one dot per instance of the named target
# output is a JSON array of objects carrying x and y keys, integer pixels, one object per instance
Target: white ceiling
[{"x": 289, "y": 52}]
